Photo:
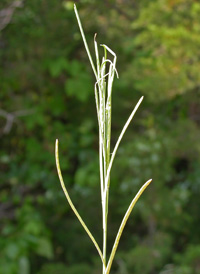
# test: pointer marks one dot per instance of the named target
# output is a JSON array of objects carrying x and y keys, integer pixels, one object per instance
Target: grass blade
[
  {"x": 72, "y": 205},
  {"x": 123, "y": 223},
  {"x": 85, "y": 42},
  {"x": 119, "y": 140}
]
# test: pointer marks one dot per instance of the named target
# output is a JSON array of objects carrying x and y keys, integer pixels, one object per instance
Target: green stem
[{"x": 103, "y": 98}]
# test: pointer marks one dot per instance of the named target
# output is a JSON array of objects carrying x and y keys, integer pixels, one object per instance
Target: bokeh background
[{"x": 46, "y": 92}]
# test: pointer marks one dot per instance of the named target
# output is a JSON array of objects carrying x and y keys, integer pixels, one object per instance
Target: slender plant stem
[{"x": 104, "y": 73}]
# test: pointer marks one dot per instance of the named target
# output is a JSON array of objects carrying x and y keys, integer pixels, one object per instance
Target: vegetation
[
  {"x": 103, "y": 98},
  {"x": 43, "y": 65}
]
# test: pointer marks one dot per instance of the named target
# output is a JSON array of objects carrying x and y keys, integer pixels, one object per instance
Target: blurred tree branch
[
  {"x": 12, "y": 117},
  {"x": 7, "y": 13}
]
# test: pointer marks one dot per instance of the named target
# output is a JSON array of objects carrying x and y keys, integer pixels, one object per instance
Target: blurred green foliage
[{"x": 46, "y": 92}]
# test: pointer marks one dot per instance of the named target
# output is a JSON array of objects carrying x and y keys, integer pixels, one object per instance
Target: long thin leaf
[
  {"x": 123, "y": 223},
  {"x": 72, "y": 205},
  {"x": 85, "y": 42},
  {"x": 119, "y": 140}
]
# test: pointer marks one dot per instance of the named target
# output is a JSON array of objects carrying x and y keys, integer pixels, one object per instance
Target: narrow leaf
[
  {"x": 123, "y": 223},
  {"x": 71, "y": 204},
  {"x": 118, "y": 142},
  {"x": 85, "y": 42}
]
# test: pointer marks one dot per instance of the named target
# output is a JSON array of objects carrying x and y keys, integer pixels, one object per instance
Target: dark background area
[{"x": 46, "y": 92}]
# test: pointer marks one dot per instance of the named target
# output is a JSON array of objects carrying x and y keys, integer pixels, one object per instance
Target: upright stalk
[{"x": 104, "y": 73}]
